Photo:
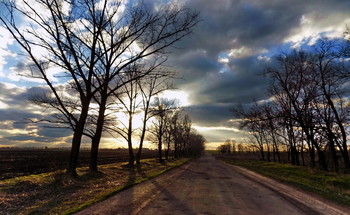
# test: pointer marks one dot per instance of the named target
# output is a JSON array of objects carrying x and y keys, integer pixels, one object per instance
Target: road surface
[{"x": 208, "y": 186}]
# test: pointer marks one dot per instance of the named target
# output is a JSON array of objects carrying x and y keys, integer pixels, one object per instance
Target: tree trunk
[
  {"x": 268, "y": 152},
  {"x": 176, "y": 150},
  {"x": 312, "y": 156},
  {"x": 143, "y": 133},
  {"x": 346, "y": 158},
  {"x": 95, "y": 142},
  {"x": 76, "y": 141},
  {"x": 334, "y": 155},
  {"x": 160, "y": 156},
  {"x": 261, "y": 149},
  {"x": 138, "y": 155},
  {"x": 160, "y": 137},
  {"x": 167, "y": 152},
  {"x": 278, "y": 155},
  {"x": 321, "y": 157},
  {"x": 74, "y": 152},
  {"x": 302, "y": 153},
  {"x": 293, "y": 155},
  {"x": 131, "y": 153}
]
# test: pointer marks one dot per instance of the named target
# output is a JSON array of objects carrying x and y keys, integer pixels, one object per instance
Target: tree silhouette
[{"x": 91, "y": 43}]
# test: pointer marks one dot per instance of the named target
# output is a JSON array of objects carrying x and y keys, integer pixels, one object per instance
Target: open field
[
  {"x": 329, "y": 185},
  {"x": 22, "y": 162}
]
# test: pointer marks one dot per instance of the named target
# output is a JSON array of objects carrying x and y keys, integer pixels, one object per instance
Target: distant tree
[
  {"x": 196, "y": 144},
  {"x": 228, "y": 142},
  {"x": 175, "y": 129},
  {"x": 186, "y": 127},
  {"x": 160, "y": 111},
  {"x": 255, "y": 122},
  {"x": 234, "y": 146},
  {"x": 150, "y": 87},
  {"x": 224, "y": 148}
]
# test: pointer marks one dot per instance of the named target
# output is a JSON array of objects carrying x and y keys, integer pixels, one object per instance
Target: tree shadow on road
[{"x": 170, "y": 202}]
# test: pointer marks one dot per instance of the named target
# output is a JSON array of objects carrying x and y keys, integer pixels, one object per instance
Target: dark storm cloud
[
  {"x": 256, "y": 24},
  {"x": 16, "y": 98},
  {"x": 215, "y": 115},
  {"x": 196, "y": 64},
  {"x": 14, "y": 119},
  {"x": 242, "y": 84},
  {"x": 17, "y": 103},
  {"x": 232, "y": 24},
  {"x": 54, "y": 132},
  {"x": 16, "y": 115},
  {"x": 241, "y": 32},
  {"x": 25, "y": 137},
  {"x": 29, "y": 92}
]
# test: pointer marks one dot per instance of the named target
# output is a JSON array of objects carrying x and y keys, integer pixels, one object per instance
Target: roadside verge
[{"x": 310, "y": 203}]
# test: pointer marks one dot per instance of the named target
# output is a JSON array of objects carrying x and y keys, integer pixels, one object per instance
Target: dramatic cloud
[
  {"x": 221, "y": 63},
  {"x": 15, "y": 115}
]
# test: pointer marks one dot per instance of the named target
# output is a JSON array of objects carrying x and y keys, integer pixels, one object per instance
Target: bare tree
[
  {"x": 255, "y": 122},
  {"x": 149, "y": 88},
  {"x": 61, "y": 36},
  {"x": 196, "y": 144},
  {"x": 92, "y": 44},
  {"x": 152, "y": 33},
  {"x": 225, "y": 147},
  {"x": 309, "y": 89},
  {"x": 333, "y": 112},
  {"x": 160, "y": 110},
  {"x": 129, "y": 104}
]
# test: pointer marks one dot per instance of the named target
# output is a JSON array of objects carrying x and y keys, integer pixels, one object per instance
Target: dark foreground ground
[
  {"x": 209, "y": 186},
  {"x": 21, "y": 162}
]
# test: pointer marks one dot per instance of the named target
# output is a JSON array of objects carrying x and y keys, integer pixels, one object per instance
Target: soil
[{"x": 22, "y": 162}]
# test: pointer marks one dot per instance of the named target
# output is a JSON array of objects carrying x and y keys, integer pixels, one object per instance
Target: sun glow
[
  {"x": 180, "y": 96},
  {"x": 201, "y": 128}
]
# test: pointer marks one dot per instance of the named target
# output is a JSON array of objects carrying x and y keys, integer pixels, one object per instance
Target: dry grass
[
  {"x": 331, "y": 186},
  {"x": 57, "y": 193}
]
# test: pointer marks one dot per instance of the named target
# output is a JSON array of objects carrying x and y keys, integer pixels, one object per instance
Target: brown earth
[
  {"x": 26, "y": 161},
  {"x": 209, "y": 186},
  {"x": 58, "y": 193}
]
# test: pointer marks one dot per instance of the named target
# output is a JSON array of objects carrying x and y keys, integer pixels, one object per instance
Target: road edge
[
  {"x": 120, "y": 190},
  {"x": 308, "y": 203}
]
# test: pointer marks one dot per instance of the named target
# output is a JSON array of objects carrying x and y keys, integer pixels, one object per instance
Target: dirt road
[{"x": 209, "y": 186}]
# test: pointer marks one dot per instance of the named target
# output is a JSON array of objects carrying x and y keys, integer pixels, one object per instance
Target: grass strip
[
  {"x": 107, "y": 194},
  {"x": 57, "y": 193},
  {"x": 331, "y": 186}
]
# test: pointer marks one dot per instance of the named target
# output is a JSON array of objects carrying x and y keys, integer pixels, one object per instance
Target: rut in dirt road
[{"x": 204, "y": 186}]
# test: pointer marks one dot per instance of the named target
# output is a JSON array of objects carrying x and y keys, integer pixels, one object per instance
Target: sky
[{"x": 220, "y": 65}]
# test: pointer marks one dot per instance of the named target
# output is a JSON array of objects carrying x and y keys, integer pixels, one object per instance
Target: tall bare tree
[
  {"x": 150, "y": 87},
  {"x": 334, "y": 112},
  {"x": 293, "y": 77},
  {"x": 91, "y": 42}
]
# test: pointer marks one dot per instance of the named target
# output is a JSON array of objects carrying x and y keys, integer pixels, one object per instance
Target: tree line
[
  {"x": 308, "y": 107},
  {"x": 231, "y": 146},
  {"x": 98, "y": 58}
]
